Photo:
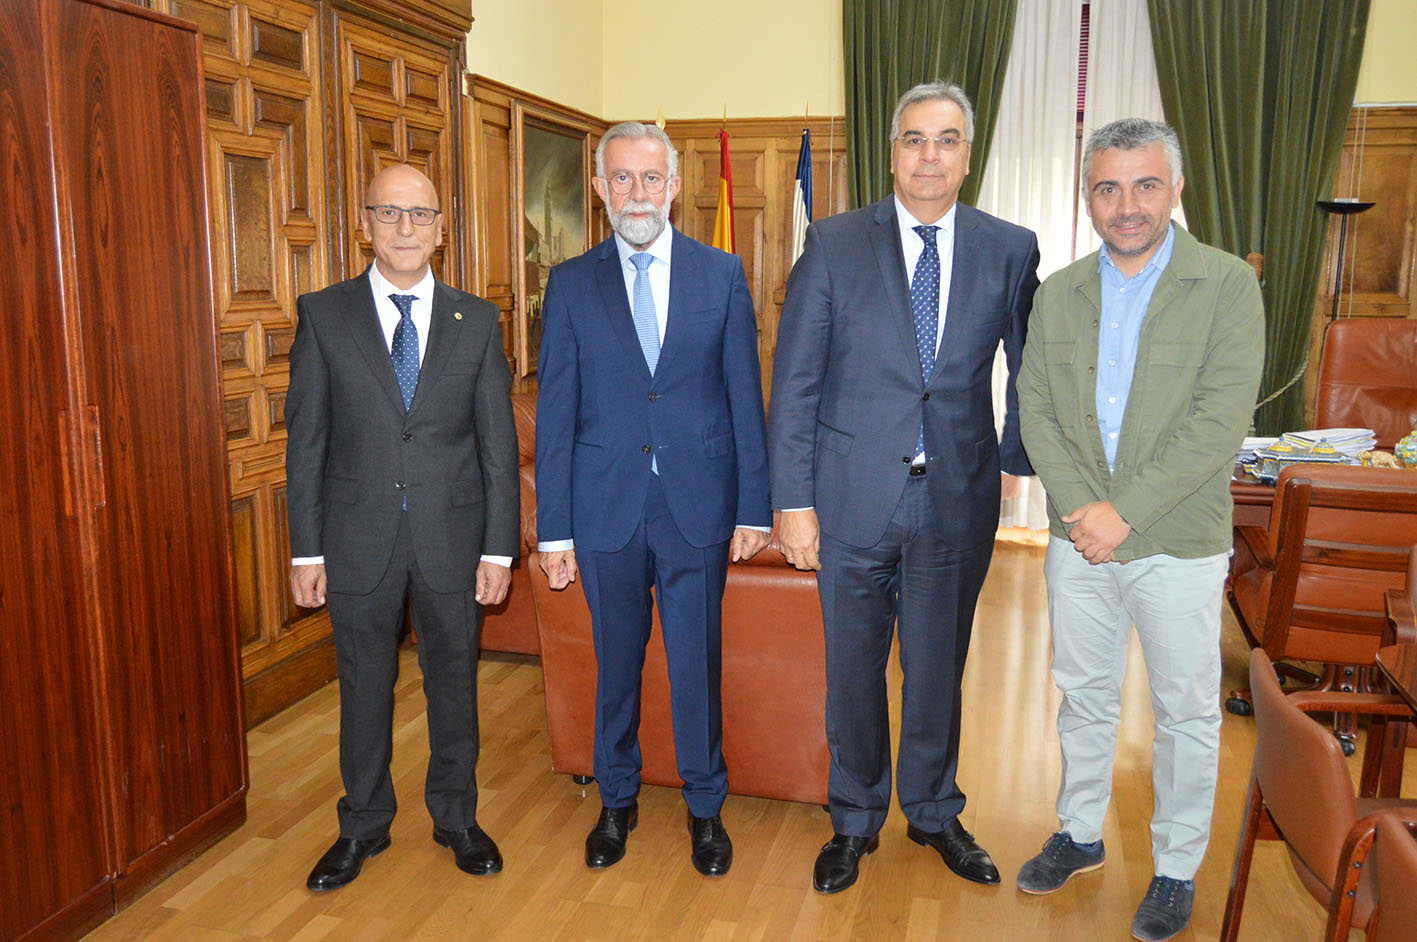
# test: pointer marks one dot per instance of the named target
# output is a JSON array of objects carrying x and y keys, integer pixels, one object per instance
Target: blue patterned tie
[
  {"x": 925, "y": 304},
  {"x": 404, "y": 349},
  {"x": 646, "y": 324}
]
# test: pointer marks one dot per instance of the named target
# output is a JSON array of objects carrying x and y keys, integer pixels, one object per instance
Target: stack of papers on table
[{"x": 1347, "y": 441}]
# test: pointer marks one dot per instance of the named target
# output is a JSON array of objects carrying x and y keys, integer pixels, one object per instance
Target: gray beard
[{"x": 638, "y": 231}]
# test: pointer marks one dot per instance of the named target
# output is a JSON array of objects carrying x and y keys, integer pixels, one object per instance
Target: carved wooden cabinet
[
  {"x": 121, "y": 739},
  {"x": 306, "y": 101}
]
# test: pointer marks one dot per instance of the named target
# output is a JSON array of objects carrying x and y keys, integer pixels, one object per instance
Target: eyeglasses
[
  {"x": 623, "y": 182},
  {"x": 917, "y": 142},
  {"x": 390, "y": 215}
]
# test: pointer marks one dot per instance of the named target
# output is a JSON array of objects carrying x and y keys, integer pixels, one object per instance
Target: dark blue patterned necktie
[
  {"x": 404, "y": 349},
  {"x": 925, "y": 305}
]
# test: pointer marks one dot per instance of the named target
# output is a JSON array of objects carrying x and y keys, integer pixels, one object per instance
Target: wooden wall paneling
[
  {"x": 1379, "y": 164},
  {"x": 54, "y": 843},
  {"x": 395, "y": 96},
  {"x": 763, "y": 157},
  {"x": 491, "y": 171},
  {"x": 271, "y": 234}
]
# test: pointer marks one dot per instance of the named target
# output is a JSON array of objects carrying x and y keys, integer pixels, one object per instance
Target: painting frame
[{"x": 551, "y": 171}]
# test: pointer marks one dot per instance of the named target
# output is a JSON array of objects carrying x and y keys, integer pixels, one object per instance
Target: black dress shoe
[
  {"x": 605, "y": 844},
  {"x": 340, "y": 864},
  {"x": 713, "y": 851},
  {"x": 475, "y": 852},
  {"x": 839, "y": 862},
  {"x": 961, "y": 854}
]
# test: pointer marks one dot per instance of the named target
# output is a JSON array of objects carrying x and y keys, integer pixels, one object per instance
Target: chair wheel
[
  {"x": 1347, "y": 744},
  {"x": 1239, "y": 706},
  {"x": 582, "y": 779}
]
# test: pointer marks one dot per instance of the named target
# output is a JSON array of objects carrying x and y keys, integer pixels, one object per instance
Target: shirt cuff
[
  {"x": 308, "y": 561},
  {"x": 503, "y": 561},
  {"x": 747, "y": 526},
  {"x": 793, "y": 510},
  {"x": 555, "y": 546}
]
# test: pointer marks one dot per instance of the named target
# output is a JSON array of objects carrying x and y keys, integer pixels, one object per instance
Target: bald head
[
  {"x": 404, "y": 179},
  {"x": 402, "y": 220}
]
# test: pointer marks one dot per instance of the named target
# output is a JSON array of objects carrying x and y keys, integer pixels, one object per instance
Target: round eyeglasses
[
  {"x": 390, "y": 215},
  {"x": 622, "y": 182}
]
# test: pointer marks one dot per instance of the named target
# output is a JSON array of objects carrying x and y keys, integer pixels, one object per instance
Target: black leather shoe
[
  {"x": 605, "y": 844},
  {"x": 475, "y": 852},
  {"x": 961, "y": 854},
  {"x": 713, "y": 851},
  {"x": 341, "y": 863},
  {"x": 839, "y": 862}
]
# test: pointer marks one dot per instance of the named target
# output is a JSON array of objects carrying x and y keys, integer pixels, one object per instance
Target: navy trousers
[
  {"x": 915, "y": 582},
  {"x": 688, "y": 583}
]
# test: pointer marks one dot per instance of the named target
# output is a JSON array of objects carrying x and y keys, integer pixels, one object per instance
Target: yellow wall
[
  {"x": 551, "y": 48},
  {"x": 759, "y": 58},
  {"x": 1388, "y": 73}
]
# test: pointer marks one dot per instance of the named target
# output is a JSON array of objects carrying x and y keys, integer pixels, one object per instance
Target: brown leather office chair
[
  {"x": 1395, "y": 870},
  {"x": 1301, "y": 793},
  {"x": 1311, "y": 586},
  {"x": 1368, "y": 377}
]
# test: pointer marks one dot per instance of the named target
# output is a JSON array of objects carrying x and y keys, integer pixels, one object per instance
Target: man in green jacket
[{"x": 1138, "y": 384}]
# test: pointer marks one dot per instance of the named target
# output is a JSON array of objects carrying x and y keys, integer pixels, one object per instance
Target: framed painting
[{"x": 552, "y": 212}]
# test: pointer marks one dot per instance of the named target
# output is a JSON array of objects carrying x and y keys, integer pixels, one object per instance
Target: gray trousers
[{"x": 1175, "y": 606}]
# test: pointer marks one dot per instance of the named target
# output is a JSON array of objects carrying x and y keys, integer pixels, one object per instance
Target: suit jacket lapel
[
  {"x": 964, "y": 264},
  {"x": 885, "y": 243},
  {"x": 684, "y": 282},
  {"x": 443, "y": 332},
  {"x": 610, "y": 277},
  {"x": 369, "y": 339}
]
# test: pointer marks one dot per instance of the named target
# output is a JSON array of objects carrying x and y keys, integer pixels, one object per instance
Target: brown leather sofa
[
  {"x": 1368, "y": 377},
  {"x": 774, "y": 674},
  {"x": 511, "y": 626}
]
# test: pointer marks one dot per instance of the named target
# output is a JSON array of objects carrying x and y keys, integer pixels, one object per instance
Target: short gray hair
[
  {"x": 635, "y": 131},
  {"x": 1129, "y": 134},
  {"x": 935, "y": 91}
]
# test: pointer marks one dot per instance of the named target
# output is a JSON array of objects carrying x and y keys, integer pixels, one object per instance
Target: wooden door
[
  {"x": 129, "y": 143},
  {"x": 53, "y": 845}
]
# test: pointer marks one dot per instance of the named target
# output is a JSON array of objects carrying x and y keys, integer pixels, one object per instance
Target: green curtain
[
  {"x": 1260, "y": 93},
  {"x": 890, "y": 45}
]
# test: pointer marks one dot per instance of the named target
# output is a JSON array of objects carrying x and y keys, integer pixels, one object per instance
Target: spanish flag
[{"x": 723, "y": 221}]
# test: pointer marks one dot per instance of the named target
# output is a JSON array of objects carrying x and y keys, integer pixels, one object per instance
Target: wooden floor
[{"x": 251, "y": 885}]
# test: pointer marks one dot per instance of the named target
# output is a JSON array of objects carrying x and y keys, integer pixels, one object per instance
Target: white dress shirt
[{"x": 389, "y": 317}]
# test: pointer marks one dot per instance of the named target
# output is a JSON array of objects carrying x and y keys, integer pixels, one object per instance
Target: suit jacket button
[
  {"x": 653, "y": 396},
  {"x": 645, "y": 449},
  {"x": 926, "y": 397},
  {"x": 400, "y": 486},
  {"x": 408, "y": 436}
]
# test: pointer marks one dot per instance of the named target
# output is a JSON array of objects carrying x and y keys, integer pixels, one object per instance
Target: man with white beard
[{"x": 651, "y": 473}]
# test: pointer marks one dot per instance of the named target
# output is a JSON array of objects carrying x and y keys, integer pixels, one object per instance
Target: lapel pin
[{"x": 457, "y": 315}]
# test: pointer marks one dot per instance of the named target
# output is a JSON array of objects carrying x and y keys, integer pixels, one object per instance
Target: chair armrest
[
  {"x": 1256, "y": 540},
  {"x": 1401, "y": 618},
  {"x": 1368, "y": 704}
]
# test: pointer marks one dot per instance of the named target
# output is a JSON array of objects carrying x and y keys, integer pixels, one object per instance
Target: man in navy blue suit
[
  {"x": 886, "y": 467},
  {"x": 651, "y": 473}
]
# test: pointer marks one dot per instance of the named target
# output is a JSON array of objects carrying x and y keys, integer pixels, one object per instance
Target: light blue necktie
[
  {"x": 646, "y": 324},
  {"x": 404, "y": 349},
  {"x": 925, "y": 304}
]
